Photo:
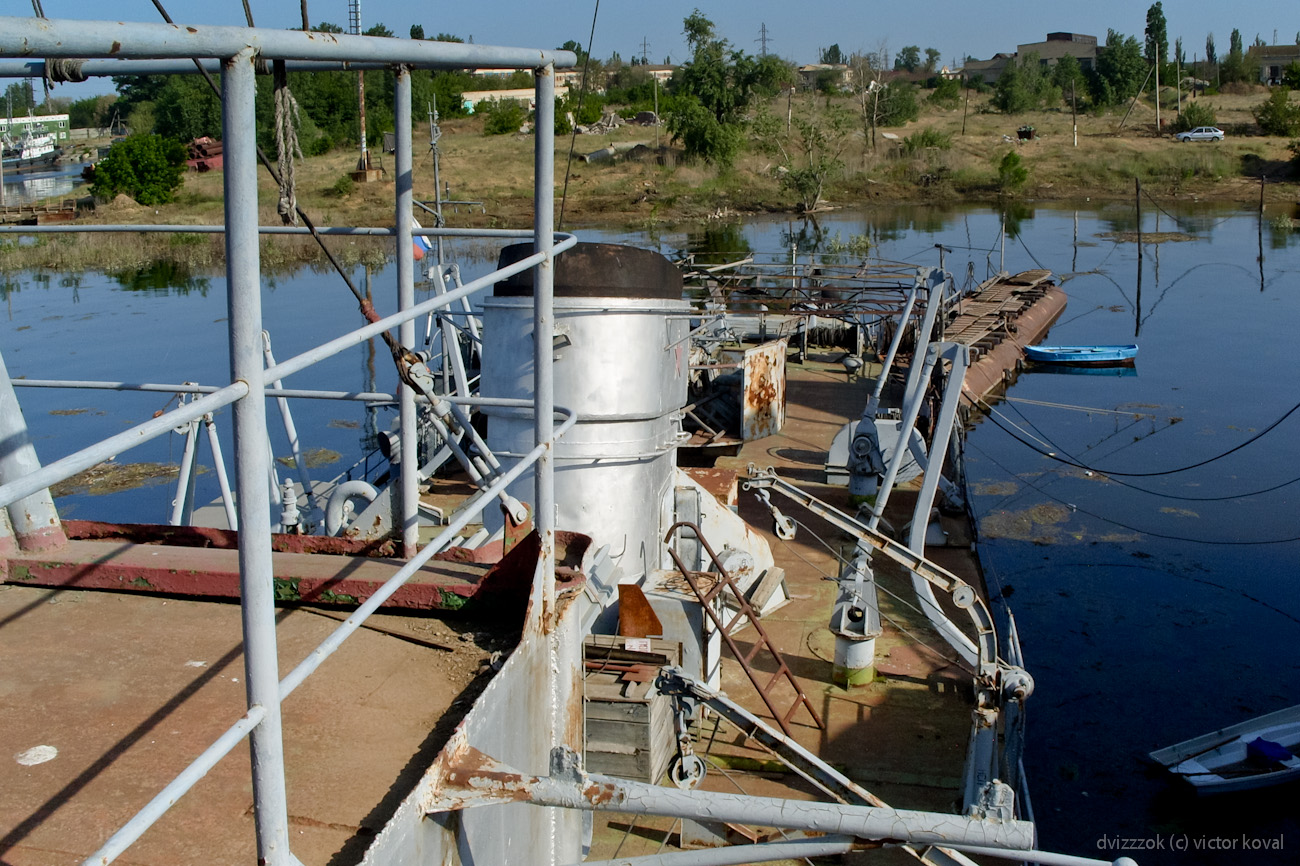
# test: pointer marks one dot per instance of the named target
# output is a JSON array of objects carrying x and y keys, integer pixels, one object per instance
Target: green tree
[
  {"x": 1068, "y": 76},
  {"x": 947, "y": 93},
  {"x": 833, "y": 55},
  {"x": 378, "y": 30},
  {"x": 1277, "y": 115},
  {"x": 1024, "y": 87},
  {"x": 417, "y": 31},
  {"x": 718, "y": 81},
  {"x": 1291, "y": 75},
  {"x": 1233, "y": 67},
  {"x": 1012, "y": 172},
  {"x": 1010, "y": 96},
  {"x": 810, "y": 155},
  {"x": 1156, "y": 48},
  {"x": 503, "y": 116},
  {"x": 1211, "y": 56},
  {"x": 148, "y": 168},
  {"x": 828, "y": 82},
  {"x": 91, "y": 111},
  {"x": 932, "y": 56},
  {"x": 20, "y": 98},
  {"x": 772, "y": 75},
  {"x": 909, "y": 58},
  {"x": 447, "y": 37},
  {"x": 186, "y": 108},
  {"x": 327, "y": 27},
  {"x": 1120, "y": 70}
]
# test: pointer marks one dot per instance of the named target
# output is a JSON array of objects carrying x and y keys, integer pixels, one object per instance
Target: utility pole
[
  {"x": 354, "y": 27},
  {"x": 1157, "y": 96},
  {"x": 1074, "y": 114},
  {"x": 645, "y": 51},
  {"x": 762, "y": 40}
]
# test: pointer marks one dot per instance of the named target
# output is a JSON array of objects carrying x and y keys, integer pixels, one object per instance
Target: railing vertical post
[
  {"x": 544, "y": 327},
  {"x": 410, "y": 461},
  {"x": 559, "y": 652},
  {"x": 252, "y": 463},
  {"x": 34, "y": 520}
]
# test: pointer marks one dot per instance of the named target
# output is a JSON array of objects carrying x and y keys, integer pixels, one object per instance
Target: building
[
  {"x": 1272, "y": 61},
  {"x": 1077, "y": 45},
  {"x": 809, "y": 75},
  {"x": 988, "y": 70},
  {"x": 54, "y": 124}
]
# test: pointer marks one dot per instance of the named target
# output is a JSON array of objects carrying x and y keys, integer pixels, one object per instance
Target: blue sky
[{"x": 795, "y": 31}]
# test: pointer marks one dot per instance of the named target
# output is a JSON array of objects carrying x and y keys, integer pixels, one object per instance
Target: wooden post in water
[
  {"x": 1137, "y": 311},
  {"x": 1261, "y": 231}
]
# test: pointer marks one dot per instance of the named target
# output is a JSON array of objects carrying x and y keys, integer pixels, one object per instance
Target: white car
[{"x": 1202, "y": 133}]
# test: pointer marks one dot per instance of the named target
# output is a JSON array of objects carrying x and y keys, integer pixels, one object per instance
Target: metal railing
[{"x": 100, "y": 48}]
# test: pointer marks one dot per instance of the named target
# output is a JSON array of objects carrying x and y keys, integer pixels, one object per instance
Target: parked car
[{"x": 1202, "y": 133}]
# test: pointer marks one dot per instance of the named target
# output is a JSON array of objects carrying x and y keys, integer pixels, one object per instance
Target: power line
[
  {"x": 1075, "y": 508},
  {"x": 1137, "y": 417},
  {"x": 1078, "y": 465}
]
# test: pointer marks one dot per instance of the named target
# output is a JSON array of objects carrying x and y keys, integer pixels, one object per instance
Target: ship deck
[{"x": 129, "y": 687}]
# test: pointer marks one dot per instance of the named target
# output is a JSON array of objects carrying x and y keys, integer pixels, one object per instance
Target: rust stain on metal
[
  {"x": 115, "y": 47},
  {"x": 764, "y": 390},
  {"x": 482, "y": 774},
  {"x": 600, "y": 794}
]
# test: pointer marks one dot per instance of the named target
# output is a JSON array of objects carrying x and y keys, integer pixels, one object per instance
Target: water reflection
[
  {"x": 162, "y": 278},
  {"x": 21, "y": 189}
]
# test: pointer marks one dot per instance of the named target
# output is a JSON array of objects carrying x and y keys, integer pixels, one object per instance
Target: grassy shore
[{"x": 662, "y": 189}]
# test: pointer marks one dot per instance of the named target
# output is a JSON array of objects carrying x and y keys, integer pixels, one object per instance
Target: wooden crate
[{"x": 629, "y": 724}]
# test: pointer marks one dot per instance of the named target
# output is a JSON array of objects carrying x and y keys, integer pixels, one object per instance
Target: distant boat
[
  {"x": 1253, "y": 754},
  {"x": 32, "y": 152},
  {"x": 1087, "y": 356}
]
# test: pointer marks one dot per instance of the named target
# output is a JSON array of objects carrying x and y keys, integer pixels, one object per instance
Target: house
[
  {"x": 1272, "y": 61},
  {"x": 988, "y": 70},
  {"x": 810, "y": 74},
  {"x": 1077, "y": 45}
]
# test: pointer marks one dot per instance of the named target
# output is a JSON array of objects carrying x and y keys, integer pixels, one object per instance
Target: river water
[{"x": 1152, "y": 606}]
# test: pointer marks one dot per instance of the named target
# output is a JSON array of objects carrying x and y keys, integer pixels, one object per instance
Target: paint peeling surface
[{"x": 762, "y": 388}]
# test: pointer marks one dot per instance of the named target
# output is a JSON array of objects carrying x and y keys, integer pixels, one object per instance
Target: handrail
[
  {"x": 199, "y": 767},
  {"x": 178, "y": 787},
  {"x": 478, "y": 502},
  {"x": 93, "y": 455}
]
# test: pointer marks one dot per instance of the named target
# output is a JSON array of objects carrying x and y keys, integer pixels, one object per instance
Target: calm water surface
[{"x": 1149, "y": 610}]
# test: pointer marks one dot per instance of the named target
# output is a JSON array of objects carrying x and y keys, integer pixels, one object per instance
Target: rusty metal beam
[{"x": 477, "y": 779}]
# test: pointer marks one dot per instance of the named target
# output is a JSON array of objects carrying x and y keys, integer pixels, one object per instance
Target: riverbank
[{"x": 490, "y": 179}]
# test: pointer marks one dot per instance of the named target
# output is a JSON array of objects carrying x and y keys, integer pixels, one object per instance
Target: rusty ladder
[{"x": 745, "y": 612}]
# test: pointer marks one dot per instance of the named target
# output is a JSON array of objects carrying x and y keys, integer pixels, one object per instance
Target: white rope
[{"x": 286, "y": 144}]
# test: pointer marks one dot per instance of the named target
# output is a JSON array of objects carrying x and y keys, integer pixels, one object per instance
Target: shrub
[
  {"x": 342, "y": 187},
  {"x": 148, "y": 168},
  {"x": 926, "y": 138},
  {"x": 504, "y": 116},
  {"x": 1196, "y": 113},
  {"x": 1277, "y": 116},
  {"x": 947, "y": 93},
  {"x": 1012, "y": 173}
]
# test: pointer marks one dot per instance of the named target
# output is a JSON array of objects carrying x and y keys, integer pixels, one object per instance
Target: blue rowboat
[{"x": 1088, "y": 356}]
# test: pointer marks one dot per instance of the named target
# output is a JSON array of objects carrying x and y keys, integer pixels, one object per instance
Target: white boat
[
  {"x": 32, "y": 151},
  {"x": 1253, "y": 754}
]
